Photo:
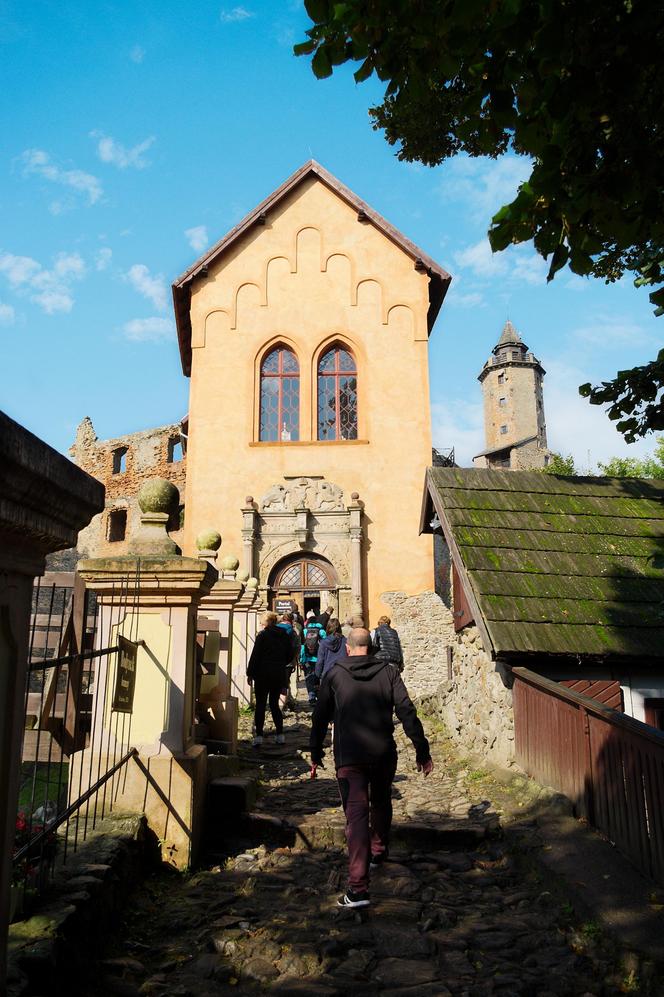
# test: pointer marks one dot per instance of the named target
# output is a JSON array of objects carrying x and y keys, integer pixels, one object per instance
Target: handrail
[
  {"x": 73, "y": 807},
  {"x": 67, "y": 659},
  {"x": 590, "y": 705}
]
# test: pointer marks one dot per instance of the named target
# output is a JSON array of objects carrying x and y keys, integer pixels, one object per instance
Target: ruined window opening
[
  {"x": 120, "y": 460},
  {"x": 501, "y": 379},
  {"x": 337, "y": 395},
  {"x": 502, "y": 402},
  {"x": 175, "y": 450},
  {"x": 117, "y": 525},
  {"x": 280, "y": 397},
  {"x": 503, "y": 429}
]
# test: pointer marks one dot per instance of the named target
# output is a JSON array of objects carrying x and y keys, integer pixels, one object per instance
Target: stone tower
[{"x": 514, "y": 424}]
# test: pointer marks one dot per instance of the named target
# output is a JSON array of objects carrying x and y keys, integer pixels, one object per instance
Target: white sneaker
[
  {"x": 280, "y": 739},
  {"x": 257, "y": 741}
]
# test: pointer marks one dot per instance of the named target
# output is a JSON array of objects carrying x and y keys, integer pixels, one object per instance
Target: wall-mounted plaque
[{"x": 125, "y": 677}]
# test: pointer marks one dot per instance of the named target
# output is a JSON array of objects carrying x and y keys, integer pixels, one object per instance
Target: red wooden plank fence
[{"x": 610, "y": 765}]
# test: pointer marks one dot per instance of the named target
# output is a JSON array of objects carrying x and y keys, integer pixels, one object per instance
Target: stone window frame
[
  {"x": 502, "y": 401},
  {"x": 119, "y": 463},
  {"x": 501, "y": 377},
  {"x": 336, "y": 344},
  {"x": 503, "y": 429},
  {"x": 280, "y": 342},
  {"x": 173, "y": 442},
  {"x": 112, "y": 519}
]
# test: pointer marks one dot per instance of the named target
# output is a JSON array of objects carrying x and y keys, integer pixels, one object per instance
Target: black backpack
[{"x": 312, "y": 640}]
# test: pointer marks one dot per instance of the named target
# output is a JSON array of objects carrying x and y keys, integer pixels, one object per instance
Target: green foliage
[
  {"x": 634, "y": 467},
  {"x": 576, "y": 87},
  {"x": 558, "y": 464}
]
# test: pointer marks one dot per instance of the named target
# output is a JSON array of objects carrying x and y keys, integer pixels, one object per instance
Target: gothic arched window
[
  {"x": 337, "y": 395},
  {"x": 280, "y": 396}
]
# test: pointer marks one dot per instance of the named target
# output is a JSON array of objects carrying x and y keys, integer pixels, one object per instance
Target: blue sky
[{"x": 136, "y": 134}]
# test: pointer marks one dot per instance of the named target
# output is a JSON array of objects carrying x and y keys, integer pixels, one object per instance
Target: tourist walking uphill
[
  {"x": 267, "y": 670},
  {"x": 360, "y": 695}
]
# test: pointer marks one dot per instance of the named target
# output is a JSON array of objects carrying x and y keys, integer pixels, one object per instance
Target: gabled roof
[
  {"x": 555, "y": 565},
  {"x": 439, "y": 279},
  {"x": 506, "y": 446}
]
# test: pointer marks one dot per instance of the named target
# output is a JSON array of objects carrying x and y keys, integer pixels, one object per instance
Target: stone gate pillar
[
  {"x": 161, "y": 595},
  {"x": 356, "y": 540},
  {"x": 44, "y": 501},
  {"x": 216, "y": 688}
]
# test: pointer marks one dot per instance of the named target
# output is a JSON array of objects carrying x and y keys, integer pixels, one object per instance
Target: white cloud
[
  {"x": 148, "y": 330},
  {"x": 49, "y": 289},
  {"x": 103, "y": 258},
  {"x": 7, "y": 314},
  {"x": 137, "y": 54},
  {"x": 473, "y": 299},
  {"x": 484, "y": 184},
  {"x": 460, "y": 424},
  {"x": 480, "y": 260},
  {"x": 612, "y": 332},
  {"x": 574, "y": 426},
  {"x": 151, "y": 287},
  {"x": 39, "y": 163},
  {"x": 111, "y": 151},
  {"x": 198, "y": 237},
  {"x": 516, "y": 263},
  {"x": 235, "y": 14}
]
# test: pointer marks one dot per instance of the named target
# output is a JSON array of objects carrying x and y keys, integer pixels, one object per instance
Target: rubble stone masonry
[
  {"x": 123, "y": 464},
  {"x": 474, "y": 704}
]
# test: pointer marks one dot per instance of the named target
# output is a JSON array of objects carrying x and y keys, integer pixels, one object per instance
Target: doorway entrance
[{"x": 308, "y": 581}]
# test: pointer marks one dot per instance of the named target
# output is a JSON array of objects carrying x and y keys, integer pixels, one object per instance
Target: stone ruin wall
[
  {"x": 474, "y": 704},
  {"x": 147, "y": 457}
]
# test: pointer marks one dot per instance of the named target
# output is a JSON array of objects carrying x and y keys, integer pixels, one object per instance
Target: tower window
[
  {"x": 515, "y": 355},
  {"x": 175, "y": 453},
  {"x": 501, "y": 379},
  {"x": 503, "y": 429},
  {"x": 502, "y": 402},
  {"x": 120, "y": 460},
  {"x": 337, "y": 395},
  {"x": 280, "y": 396},
  {"x": 117, "y": 525}
]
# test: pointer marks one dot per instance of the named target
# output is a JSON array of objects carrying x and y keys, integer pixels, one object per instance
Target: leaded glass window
[
  {"x": 280, "y": 396},
  {"x": 337, "y": 395}
]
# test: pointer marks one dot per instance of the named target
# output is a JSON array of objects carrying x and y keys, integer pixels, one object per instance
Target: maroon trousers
[{"x": 366, "y": 796}]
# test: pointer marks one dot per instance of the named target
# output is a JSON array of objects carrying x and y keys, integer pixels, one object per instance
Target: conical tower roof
[{"x": 509, "y": 335}]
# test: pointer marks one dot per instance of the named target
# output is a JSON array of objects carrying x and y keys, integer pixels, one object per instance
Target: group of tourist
[{"x": 353, "y": 680}]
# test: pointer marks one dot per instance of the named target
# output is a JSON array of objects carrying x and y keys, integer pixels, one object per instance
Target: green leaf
[
  {"x": 321, "y": 64},
  {"x": 364, "y": 72},
  {"x": 318, "y": 10},
  {"x": 304, "y": 48}
]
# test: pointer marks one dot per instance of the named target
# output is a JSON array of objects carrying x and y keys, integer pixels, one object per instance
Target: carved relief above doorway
[{"x": 303, "y": 515}]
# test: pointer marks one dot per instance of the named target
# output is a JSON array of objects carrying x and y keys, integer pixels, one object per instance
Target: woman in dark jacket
[
  {"x": 330, "y": 649},
  {"x": 270, "y": 657}
]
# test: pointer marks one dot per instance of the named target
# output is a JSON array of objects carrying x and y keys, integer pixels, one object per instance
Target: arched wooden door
[{"x": 307, "y": 580}]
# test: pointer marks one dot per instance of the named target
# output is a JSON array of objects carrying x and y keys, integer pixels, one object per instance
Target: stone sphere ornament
[
  {"x": 354, "y": 496},
  {"x": 252, "y": 583},
  {"x": 242, "y": 576},
  {"x": 157, "y": 495},
  {"x": 229, "y": 563},
  {"x": 208, "y": 540}
]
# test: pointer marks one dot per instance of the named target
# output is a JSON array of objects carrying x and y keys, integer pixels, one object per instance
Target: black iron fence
[{"x": 77, "y": 738}]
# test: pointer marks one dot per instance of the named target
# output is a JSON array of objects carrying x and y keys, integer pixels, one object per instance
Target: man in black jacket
[
  {"x": 359, "y": 696},
  {"x": 267, "y": 669}
]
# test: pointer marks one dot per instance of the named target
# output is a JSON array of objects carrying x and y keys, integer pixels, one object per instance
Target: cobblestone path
[{"x": 457, "y": 910}]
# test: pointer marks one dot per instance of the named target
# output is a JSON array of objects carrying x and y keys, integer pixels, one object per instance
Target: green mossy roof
[{"x": 560, "y": 565}]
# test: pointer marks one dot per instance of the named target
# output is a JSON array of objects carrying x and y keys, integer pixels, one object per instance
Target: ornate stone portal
[{"x": 306, "y": 515}]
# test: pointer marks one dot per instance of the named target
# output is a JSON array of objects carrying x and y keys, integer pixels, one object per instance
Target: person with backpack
[
  {"x": 386, "y": 643},
  {"x": 313, "y": 634},
  {"x": 266, "y": 670},
  {"x": 288, "y": 624},
  {"x": 330, "y": 649}
]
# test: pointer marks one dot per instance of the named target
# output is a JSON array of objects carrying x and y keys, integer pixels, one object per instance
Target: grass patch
[{"x": 48, "y": 785}]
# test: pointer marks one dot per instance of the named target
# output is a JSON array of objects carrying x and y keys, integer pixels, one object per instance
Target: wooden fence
[{"x": 610, "y": 765}]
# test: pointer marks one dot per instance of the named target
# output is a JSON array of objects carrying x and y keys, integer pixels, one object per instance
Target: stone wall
[
  {"x": 148, "y": 455},
  {"x": 474, "y": 704}
]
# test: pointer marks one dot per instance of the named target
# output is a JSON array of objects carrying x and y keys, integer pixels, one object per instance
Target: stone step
[
  {"x": 229, "y": 796},
  {"x": 217, "y": 747},
  {"x": 220, "y": 766},
  {"x": 413, "y": 835}
]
